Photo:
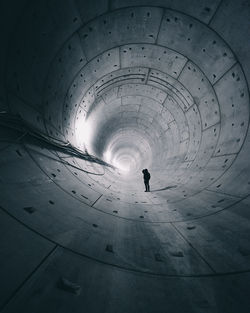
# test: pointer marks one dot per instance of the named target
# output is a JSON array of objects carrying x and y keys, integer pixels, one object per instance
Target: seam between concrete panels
[
  {"x": 164, "y": 9},
  {"x": 200, "y": 141},
  {"x": 170, "y": 75},
  {"x": 119, "y": 86},
  {"x": 195, "y": 250},
  {"x": 224, "y": 74},
  {"x": 199, "y": 21},
  {"x": 49, "y": 68},
  {"x": 119, "y": 46},
  {"x": 215, "y": 12},
  {"x": 247, "y": 87},
  {"x": 161, "y": 85},
  {"x": 116, "y": 80},
  {"x": 159, "y": 275},
  {"x": 247, "y": 129},
  {"x": 124, "y": 68},
  {"x": 91, "y": 188},
  {"x": 120, "y": 58},
  {"x": 147, "y": 76},
  {"x": 237, "y": 61},
  {"x": 129, "y": 219},
  {"x": 215, "y": 124},
  {"x": 96, "y": 201},
  {"x": 224, "y": 193},
  {"x": 104, "y": 51},
  {"x": 230, "y": 49},
  {"x": 225, "y": 154},
  {"x": 160, "y": 25},
  {"x": 177, "y": 78},
  {"x": 58, "y": 185},
  {"x": 29, "y": 276}
]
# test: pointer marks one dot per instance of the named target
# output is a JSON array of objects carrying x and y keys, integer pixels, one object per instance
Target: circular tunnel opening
[{"x": 118, "y": 91}]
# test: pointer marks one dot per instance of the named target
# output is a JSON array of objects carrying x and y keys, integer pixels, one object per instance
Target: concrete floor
[{"x": 155, "y": 84}]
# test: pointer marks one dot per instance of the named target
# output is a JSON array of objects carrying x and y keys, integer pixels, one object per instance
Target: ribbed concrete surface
[{"x": 156, "y": 84}]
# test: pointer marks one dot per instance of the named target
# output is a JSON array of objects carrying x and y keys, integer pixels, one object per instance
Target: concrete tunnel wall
[{"x": 157, "y": 84}]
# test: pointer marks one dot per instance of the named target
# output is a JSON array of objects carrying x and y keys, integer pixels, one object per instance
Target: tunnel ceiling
[
  {"x": 139, "y": 84},
  {"x": 159, "y": 73}
]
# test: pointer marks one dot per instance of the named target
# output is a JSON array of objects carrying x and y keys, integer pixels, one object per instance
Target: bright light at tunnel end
[
  {"x": 122, "y": 166},
  {"x": 123, "y": 163}
]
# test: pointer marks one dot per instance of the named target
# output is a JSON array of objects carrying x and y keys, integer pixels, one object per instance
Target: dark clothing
[
  {"x": 147, "y": 185},
  {"x": 146, "y": 177}
]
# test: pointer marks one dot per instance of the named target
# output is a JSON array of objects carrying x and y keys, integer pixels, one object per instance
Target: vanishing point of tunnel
[{"x": 92, "y": 93}]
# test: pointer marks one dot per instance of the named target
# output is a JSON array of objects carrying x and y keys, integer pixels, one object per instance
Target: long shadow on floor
[{"x": 165, "y": 188}]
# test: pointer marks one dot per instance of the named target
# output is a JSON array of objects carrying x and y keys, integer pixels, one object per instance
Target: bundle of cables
[{"x": 18, "y": 124}]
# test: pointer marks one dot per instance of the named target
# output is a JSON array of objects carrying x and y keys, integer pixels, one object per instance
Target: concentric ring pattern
[{"x": 140, "y": 85}]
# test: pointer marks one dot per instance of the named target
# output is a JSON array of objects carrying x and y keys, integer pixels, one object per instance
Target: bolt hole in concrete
[{"x": 135, "y": 87}]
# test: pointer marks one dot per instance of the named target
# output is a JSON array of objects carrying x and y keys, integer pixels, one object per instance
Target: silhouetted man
[{"x": 146, "y": 177}]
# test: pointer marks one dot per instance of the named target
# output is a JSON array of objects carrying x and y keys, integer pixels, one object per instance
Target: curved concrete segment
[{"x": 91, "y": 94}]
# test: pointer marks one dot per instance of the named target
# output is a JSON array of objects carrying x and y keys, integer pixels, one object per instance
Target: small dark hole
[
  {"x": 84, "y": 197},
  {"x": 158, "y": 257},
  {"x": 29, "y": 209},
  {"x": 19, "y": 153},
  {"x": 109, "y": 248},
  {"x": 221, "y": 200}
]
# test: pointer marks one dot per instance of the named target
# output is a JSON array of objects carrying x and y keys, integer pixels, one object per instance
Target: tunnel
[{"x": 92, "y": 93}]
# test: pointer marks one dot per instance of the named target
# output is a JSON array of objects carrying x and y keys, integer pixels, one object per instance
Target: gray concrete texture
[{"x": 155, "y": 84}]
